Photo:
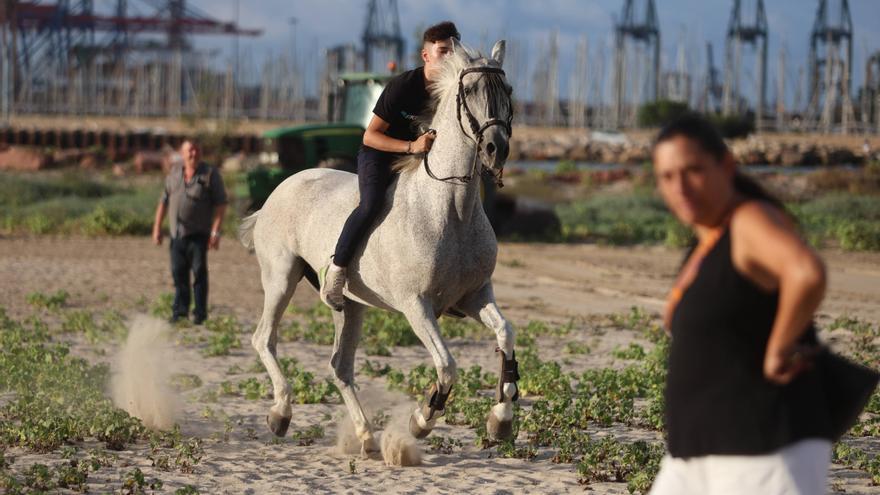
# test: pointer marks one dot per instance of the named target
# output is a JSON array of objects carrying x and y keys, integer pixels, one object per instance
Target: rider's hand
[
  {"x": 424, "y": 142},
  {"x": 157, "y": 237}
]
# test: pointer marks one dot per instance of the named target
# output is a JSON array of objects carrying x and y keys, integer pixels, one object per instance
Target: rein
[{"x": 477, "y": 130}]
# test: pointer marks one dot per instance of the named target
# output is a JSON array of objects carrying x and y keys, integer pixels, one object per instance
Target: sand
[{"x": 533, "y": 281}]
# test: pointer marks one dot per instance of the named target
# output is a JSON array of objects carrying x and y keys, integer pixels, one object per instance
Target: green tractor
[{"x": 288, "y": 150}]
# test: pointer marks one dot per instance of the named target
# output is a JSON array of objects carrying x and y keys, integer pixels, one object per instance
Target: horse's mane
[{"x": 446, "y": 86}]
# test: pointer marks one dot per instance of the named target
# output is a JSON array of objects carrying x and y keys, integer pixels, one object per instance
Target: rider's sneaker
[{"x": 332, "y": 279}]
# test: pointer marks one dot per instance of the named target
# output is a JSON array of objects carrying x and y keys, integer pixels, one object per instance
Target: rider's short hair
[{"x": 440, "y": 32}]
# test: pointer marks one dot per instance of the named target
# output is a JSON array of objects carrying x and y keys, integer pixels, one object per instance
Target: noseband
[{"x": 477, "y": 130}]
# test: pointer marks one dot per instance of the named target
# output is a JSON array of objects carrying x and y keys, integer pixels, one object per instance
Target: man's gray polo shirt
[{"x": 191, "y": 204}]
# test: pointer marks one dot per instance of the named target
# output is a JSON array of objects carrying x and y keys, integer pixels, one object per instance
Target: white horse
[{"x": 431, "y": 251}]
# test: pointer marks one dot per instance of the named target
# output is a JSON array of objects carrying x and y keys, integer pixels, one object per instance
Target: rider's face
[{"x": 433, "y": 53}]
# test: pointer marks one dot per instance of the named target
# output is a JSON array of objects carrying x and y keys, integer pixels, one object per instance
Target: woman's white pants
[{"x": 797, "y": 469}]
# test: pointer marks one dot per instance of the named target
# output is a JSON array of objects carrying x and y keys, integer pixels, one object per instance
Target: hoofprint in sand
[{"x": 551, "y": 283}]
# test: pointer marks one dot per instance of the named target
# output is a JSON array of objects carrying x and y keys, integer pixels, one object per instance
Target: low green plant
[
  {"x": 608, "y": 459},
  {"x": 509, "y": 449},
  {"x": 565, "y": 166},
  {"x": 631, "y": 352},
  {"x": 439, "y": 444},
  {"x": 857, "y": 458},
  {"x": 161, "y": 307},
  {"x": 616, "y": 219},
  {"x": 372, "y": 369},
  {"x": 52, "y": 302},
  {"x": 115, "y": 220},
  {"x": 382, "y": 330},
  {"x": 135, "y": 482},
  {"x": 305, "y": 388},
  {"x": 307, "y": 437},
  {"x": 576, "y": 348},
  {"x": 221, "y": 344},
  {"x": 184, "y": 382},
  {"x": 56, "y": 398}
]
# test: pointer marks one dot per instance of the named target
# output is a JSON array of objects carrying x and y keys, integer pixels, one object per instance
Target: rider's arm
[{"x": 375, "y": 137}]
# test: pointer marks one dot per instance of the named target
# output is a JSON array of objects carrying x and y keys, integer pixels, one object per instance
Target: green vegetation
[
  {"x": 54, "y": 402},
  {"x": 566, "y": 166},
  {"x": 856, "y": 458},
  {"x": 305, "y": 388},
  {"x": 850, "y": 221},
  {"x": 382, "y": 330},
  {"x": 439, "y": 444},
  {"x": 564, "y": 405},
  {"x": 78, "y": 202},
  {"x": 224, "y": 336},
  {"x": 307, "y": 437},
  {"x": 51, "y": 302},
  {"x": 108, "y": 328},
  {"x": 734, "y": 126},
  {"x": 90, "y": 204},
  {"x": 58, "y": 399},
  {"x": 621, "y": 220},
  {"x": 661, "y": 112}
]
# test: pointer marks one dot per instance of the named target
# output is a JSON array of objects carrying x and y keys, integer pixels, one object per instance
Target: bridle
[{"x": 477, "y": 130}]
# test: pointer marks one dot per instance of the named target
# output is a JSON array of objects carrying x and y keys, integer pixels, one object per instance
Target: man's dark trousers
[{"x": 190, "y": 253}]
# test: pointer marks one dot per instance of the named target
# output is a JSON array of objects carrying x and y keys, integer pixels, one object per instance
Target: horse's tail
[{"x": 246, "y": 230}]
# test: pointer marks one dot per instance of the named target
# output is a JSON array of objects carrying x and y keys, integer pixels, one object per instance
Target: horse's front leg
[
  {"x": 421, "y": 317},
  {"x": 481, "y": 306}
]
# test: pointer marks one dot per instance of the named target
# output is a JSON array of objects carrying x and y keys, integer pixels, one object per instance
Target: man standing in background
[{"x": 195, "y": 200}]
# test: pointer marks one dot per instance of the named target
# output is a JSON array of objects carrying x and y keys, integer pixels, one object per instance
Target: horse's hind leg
[
  {"x": 280, "y": 274},
  {"x": 481, "y": 306},
  {"x": 424, "y": 324},
  {"x": 349, "y": 323}
]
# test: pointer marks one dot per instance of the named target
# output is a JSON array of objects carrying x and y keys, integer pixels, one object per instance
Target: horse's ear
[
  {"x": 456, "y": 45},
  {"x": 498, "y": 51}
]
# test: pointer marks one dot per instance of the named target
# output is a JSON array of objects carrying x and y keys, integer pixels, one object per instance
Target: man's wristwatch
[
  {"x": 215, "y": 233},
  {"x": 409, "y": 147}
]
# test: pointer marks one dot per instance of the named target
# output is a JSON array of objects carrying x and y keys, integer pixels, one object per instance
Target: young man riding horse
[{"x": 392, "y": 132}]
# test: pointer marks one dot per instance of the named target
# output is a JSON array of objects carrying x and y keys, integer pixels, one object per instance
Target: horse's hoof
[
  {"x": 277, "y": 423},
  {"x": 415, "y": 429},
  {"x": 499, "y": 429}
]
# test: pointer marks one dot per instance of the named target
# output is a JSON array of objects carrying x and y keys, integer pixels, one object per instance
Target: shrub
[{"x": 661, "y": 112}]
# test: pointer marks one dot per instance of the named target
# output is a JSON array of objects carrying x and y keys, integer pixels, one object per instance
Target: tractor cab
[{"x": 287, "y": 150}]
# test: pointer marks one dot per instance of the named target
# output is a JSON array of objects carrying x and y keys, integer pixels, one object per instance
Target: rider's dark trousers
[{"x": 374, "y": 176}]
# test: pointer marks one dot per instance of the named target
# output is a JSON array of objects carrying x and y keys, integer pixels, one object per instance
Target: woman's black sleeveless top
[{"x": 717, "y": 399}]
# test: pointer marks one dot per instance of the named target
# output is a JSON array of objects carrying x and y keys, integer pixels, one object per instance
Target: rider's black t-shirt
[{"x": 404, "y": 97}]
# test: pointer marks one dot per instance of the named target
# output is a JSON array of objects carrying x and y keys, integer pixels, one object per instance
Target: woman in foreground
[{"x": 745, "y": 413}]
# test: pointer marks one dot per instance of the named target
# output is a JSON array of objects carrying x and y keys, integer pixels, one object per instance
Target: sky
[{"x": 529, "y": 24}]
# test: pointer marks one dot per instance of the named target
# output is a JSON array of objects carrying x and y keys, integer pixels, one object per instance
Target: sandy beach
[{"x": 554, "y": 283}]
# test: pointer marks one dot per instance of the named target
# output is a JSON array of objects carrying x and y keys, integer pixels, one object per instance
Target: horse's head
[{"x": 485, "y": 109}]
